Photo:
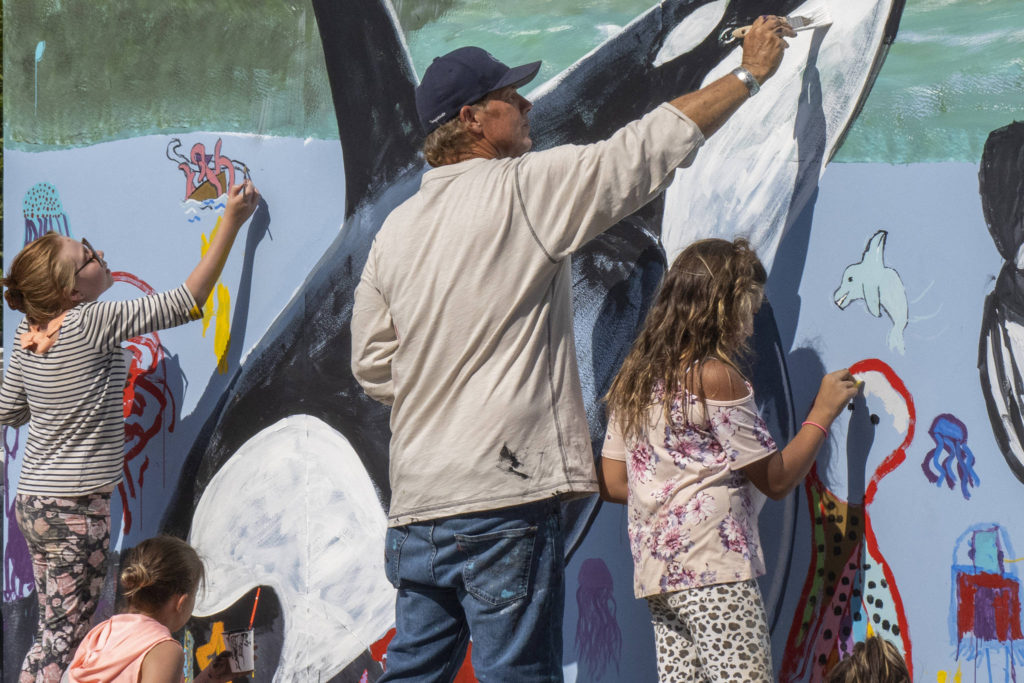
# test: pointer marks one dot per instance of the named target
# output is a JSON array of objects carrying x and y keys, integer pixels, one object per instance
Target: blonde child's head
[
  {"x": 159, "y": 570},
  {"x": 41, "y": 279},
  {"x": 704, "y": 310},
  {"x": 876, "y": 660}
]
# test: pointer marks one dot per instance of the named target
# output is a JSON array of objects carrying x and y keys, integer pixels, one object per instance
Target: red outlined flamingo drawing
[{"x": 850, "y": 591}]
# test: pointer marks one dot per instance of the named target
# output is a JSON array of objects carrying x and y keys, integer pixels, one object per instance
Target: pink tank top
[{"x": 112, "y": 651}]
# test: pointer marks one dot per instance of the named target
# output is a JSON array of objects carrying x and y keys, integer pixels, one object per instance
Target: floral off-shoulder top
[{"x": 692, "y": 511}]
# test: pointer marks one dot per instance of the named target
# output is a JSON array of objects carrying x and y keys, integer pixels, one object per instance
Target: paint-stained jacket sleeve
[
  {"x": 14, "y": 410},
  {"x": 570, "y": 194},
  {"x": 374, "y": 340}
]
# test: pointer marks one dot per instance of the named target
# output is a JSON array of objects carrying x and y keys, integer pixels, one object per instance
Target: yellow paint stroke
[
  {"x": 943, "y": 676},
  {"x": 1019, "y": 559},
  {"x": 222, "y": 334},
  {"x": 208, "y": 304},
  {"x": 206, "y": 653},
  {"x": 940, "y": 677},
  {"x": 222, "y": 311}
]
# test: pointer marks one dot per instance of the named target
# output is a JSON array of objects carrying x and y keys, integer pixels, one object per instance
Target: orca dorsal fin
[{"x": 373, "y": 88}]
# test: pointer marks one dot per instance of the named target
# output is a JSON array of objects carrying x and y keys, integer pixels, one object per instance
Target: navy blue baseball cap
[{"x": 463, "y": 77}]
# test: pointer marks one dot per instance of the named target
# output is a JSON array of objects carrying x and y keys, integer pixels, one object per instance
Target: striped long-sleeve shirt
[{"x": 72, "y": 395}]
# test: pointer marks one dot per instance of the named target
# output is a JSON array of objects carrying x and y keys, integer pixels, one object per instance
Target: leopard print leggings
[{"x": 712, "y": 633}]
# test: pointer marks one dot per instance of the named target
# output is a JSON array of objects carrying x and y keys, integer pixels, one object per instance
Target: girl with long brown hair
[
  {"x": 66, "y": 379},
  {"x": 688, "y": 451}
]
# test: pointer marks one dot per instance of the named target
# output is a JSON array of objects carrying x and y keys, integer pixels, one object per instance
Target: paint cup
[{"x": 241, "y": 643}]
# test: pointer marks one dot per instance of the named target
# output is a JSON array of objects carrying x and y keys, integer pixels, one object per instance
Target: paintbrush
[{"x": 815, "y": 16}]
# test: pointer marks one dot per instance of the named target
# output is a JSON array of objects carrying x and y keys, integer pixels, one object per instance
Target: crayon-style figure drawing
[
  {"x": 985, "y": 609},
  {"x": 879, "y": 286},
  {"x": 950, "y": 436},
  {"x": 850, "y": 592},
  {"x": 1001, "y": 350}
]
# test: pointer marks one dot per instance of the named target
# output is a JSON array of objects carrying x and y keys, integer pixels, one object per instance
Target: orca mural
[{"x": 256, "y": 443}]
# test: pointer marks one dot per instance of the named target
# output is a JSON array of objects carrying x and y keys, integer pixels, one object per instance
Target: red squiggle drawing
[{"x": 147, "y": 379}]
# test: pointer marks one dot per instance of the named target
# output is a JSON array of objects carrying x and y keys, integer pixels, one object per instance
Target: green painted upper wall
[{"x": 116, "y": 70}]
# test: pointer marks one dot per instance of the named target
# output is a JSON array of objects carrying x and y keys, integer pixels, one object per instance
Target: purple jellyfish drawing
[
  {"x": 950, "y": 436},
  {"x": 598, "y": 638}
]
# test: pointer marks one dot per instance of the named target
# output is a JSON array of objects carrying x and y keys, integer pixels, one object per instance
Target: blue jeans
[{"x": 498, "y": 576}]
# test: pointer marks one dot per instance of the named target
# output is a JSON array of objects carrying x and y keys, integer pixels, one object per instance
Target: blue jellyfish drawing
[
  {"x": 44, "y": 212},
  {"x": 950, "y": 436}
]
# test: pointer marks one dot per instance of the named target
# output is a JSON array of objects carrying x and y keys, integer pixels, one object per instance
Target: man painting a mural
[{"x": 462, "y": 323}]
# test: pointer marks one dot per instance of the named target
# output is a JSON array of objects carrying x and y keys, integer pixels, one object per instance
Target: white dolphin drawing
[
  {"x": 879, "y": 286},
  {"x": 295, "y": 510}
]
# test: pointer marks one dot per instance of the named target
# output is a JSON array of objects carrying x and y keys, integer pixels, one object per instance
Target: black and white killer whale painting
[
  {"x": 1001, "y": 350},
  {"x": 294, "y": 455}
]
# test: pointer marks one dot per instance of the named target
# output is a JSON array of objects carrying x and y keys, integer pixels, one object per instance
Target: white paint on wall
[
  {"x": 691, "y": 32},
  {"x": 770, "y": 155},
  {"x": 295, "y": 510},
  {"x": 877, "y": 386}
]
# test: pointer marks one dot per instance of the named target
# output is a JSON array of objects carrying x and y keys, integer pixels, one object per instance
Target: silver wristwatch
[{"x": 748, "y": 80}]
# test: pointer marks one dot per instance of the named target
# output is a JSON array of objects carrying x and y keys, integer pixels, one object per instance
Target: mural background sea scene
[{"x": 857, "y": 176}]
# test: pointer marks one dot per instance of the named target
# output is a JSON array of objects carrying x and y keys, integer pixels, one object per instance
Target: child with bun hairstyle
[
  {"x": 66, "y": 379},
  {"x": 688, "y": 452},
  {"x": 160, "y": 579}
]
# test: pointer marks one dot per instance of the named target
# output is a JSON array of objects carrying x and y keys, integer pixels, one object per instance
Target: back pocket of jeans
[{"x": 497, "y": 566}]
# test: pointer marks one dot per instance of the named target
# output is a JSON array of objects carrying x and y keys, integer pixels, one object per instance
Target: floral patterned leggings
[{"x": 69, "y": 539}]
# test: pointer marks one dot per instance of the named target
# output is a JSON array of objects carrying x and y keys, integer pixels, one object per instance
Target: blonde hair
[
  {"x": 876, "y": 660},
  {"x": 159, "y": 569},
  {"x": 451, "y": 140},
  {"x": 700, "y": 313},
  {"x": 40, "y": 282},
  {"x": 446, "y": 144}
]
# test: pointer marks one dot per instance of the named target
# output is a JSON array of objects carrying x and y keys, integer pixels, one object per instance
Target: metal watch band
[{"x": 748, "y": 80}]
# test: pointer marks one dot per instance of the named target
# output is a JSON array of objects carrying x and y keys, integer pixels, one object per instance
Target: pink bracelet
[{"x": 815, "y": 424}]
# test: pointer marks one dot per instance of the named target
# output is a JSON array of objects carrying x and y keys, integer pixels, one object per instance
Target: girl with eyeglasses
[{"x": 66, "y": 379}]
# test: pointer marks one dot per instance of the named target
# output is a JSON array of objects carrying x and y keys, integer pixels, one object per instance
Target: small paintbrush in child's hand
[{"x": 812, "y": 18}]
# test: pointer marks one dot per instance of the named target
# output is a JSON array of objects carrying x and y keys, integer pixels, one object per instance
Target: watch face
[{"x": 748, "y": 80}]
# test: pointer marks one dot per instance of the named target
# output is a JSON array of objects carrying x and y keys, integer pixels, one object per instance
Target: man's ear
[{"x": 468, "y": 116}]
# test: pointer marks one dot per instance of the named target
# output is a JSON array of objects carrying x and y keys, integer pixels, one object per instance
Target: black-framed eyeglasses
[{"x": 93, "y": 256}]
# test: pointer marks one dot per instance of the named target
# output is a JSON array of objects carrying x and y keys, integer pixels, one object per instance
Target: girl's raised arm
[
  {"x": 779, "y": 473},
  {"x": 242, "y": 201}
]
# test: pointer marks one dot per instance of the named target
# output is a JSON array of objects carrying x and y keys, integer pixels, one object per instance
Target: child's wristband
[{"x": 815, "y": 424}]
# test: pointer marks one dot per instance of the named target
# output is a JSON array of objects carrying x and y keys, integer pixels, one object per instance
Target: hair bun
[
  {"x": 15, "y": 299},
  {"x": 135, "y": 577}
]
